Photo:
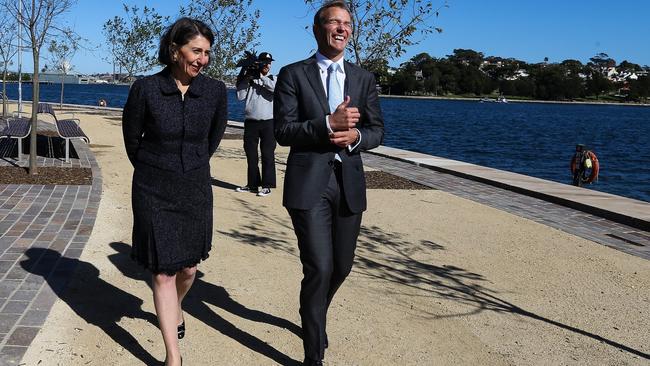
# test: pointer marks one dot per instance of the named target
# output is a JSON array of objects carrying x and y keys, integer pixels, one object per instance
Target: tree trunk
[
  {"x": 33, "y": 168},
  {"x": 62, "y": 83},
  {"x": 4, "y": 91}
]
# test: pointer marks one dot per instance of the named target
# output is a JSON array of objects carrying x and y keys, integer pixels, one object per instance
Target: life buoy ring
[{"x": 591, "y": 162}]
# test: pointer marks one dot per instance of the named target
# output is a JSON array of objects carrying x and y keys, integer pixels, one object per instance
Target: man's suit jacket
[{"x": 300, "y": 107}]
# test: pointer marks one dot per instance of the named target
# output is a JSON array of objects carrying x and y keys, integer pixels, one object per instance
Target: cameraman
[{"x": 255, "y": 85}]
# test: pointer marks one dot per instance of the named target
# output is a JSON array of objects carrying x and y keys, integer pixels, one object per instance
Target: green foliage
[
  {"x": 8, "y": 47},
  {"x": 468, "y": 72},
  {"x": 41, "y": 20},
  {"x": 384, "y": 29},
  {"x": 628, "y": 66},
  {"x": 236, "y": 30},
  {"x": 640, "y": 89},
  {"x": 597, "y": 84},
  {"x": 602, "y": 60},
  {"x": 133, "y": 39},
  {"x": 7, "y": 51},
  {"x": 61, "y": 52}
]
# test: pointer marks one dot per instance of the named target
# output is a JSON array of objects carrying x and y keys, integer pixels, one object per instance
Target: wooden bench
[
  {"x": 17, "y": 128},
  {"x": 67, "y": 128}
]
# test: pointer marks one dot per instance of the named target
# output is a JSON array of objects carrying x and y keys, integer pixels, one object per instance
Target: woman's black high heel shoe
[{"x": 181, "y": 330}]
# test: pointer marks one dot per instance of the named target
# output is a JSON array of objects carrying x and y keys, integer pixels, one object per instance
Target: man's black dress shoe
[{"x": 310, "y": 362}]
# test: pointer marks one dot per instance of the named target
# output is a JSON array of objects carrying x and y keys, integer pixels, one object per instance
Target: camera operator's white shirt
[
  {"x": 258, "y": 94},
  {"x": 323, "y": 65}
]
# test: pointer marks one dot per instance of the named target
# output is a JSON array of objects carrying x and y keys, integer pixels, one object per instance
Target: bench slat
[
  {"x": 69, "y": 129},
  {"x": 17, "y": 128}
]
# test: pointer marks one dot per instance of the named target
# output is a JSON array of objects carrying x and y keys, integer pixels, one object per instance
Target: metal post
[
  {"x": 20, "y": 57},
  {"x": 20, "y": 149}
]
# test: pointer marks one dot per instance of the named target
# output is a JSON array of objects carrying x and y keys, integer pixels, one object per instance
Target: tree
[
  {"x": 549, "y": 80},
  {"x": 383, "y": 29},
  {"x": 134, "y": 39},
  {"x": 41, "y": 19},
  {"x": 7, "y": 51},
  {"x": 597, "y": 84},
  {"x": 601, "y": 62},
  {"x": 640, "y": 89},
  {"x": 629, "y": 66},
  {"x": 237, "y": 27},
  {"x": 466, "y": 57},
  {"x": 61, "y": 53}
]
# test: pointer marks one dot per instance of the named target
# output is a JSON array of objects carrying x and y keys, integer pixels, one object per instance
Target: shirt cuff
[
  {"x": 327, "y": 122},
  {"x": 356, "y": 143}
]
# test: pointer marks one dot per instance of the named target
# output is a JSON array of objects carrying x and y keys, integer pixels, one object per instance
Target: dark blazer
[
  {"x": 162, "y": 130},
  {"x": 299, "y": 110}
]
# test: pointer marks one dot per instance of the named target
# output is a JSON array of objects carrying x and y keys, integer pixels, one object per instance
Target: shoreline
[
  {"x": 635, "y": 194},
  {"x": 477, "y": 99}
]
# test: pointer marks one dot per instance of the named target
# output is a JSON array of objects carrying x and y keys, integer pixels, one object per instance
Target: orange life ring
[{"x": 595, "y": 166}]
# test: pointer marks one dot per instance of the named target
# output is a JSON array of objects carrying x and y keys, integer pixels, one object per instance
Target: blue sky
[{"x": 526, "y": 30}]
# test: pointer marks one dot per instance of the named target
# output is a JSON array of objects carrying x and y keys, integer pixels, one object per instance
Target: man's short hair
[{"x": 330, "y": 4}]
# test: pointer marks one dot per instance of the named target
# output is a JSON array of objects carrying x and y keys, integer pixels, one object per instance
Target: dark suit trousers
[
  {"x": 327, "y": 236},
  {"x": 260, "y": 132}
]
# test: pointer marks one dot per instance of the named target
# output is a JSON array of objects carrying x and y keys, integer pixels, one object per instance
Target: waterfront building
[{"x": 55, "y": 78}]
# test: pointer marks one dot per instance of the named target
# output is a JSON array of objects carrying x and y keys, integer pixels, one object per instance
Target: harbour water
[{"x": 527, "y": 138}]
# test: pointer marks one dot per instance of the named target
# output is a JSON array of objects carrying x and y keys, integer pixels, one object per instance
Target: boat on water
[{"x": 499, "y": 99}]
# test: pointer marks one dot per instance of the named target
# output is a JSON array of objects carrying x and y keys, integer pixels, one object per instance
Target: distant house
[
  {"x": 520, "y": 73},
  {"x": 622, "y": 75},
  {"x": 611, "y": 73}
]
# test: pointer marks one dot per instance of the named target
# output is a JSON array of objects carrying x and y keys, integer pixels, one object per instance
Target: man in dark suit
[{"x": 327, "y": 110}]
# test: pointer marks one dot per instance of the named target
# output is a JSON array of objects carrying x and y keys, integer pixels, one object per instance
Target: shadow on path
[
  {"x": 96, "y": 301},
  {"x": 387, "y": 256},
  {"x": 203, "y": 294},
  {"x": 222, "y": 184}
]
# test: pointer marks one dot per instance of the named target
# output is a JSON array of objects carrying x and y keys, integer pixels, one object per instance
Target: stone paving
[
  {"x": 56, "y": 217},
  {"x": 618, "y": 236}
]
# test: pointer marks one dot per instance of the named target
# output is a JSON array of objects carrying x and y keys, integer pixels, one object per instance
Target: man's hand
[
  {"x": 344, "y": 138},
  {"x": 344, "y": 118}
]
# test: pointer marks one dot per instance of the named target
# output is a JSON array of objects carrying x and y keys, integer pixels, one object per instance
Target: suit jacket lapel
[
  {"x": 313, "y": 76},
  {"x": 351, "y": 85}
]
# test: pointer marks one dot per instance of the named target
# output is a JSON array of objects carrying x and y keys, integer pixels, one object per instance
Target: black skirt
[{"x": 172, "y": 218}]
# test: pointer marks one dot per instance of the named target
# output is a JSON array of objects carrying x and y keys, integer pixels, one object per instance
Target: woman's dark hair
[{"x": 179, "y": 34}]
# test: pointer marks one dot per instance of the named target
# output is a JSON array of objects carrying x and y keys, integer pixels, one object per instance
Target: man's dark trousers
[
  {"x": 260, "y": 131},
  {"x": 327, "y": 236}
]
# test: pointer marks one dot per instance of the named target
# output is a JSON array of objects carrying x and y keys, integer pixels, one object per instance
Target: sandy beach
[{"x": 438, "y": 280}]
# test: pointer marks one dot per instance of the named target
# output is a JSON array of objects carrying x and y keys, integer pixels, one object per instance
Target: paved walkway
[
  {"x": 61, "y": 218},
  {"x": 589, "y": 226},
  {"x": 35, "y": 217}
]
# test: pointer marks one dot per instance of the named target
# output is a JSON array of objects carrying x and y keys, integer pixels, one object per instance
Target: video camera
[{"x": 250, "y": 65}]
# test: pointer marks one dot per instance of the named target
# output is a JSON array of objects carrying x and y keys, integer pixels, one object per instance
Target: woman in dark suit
[{"x": 172, "y": 123}]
